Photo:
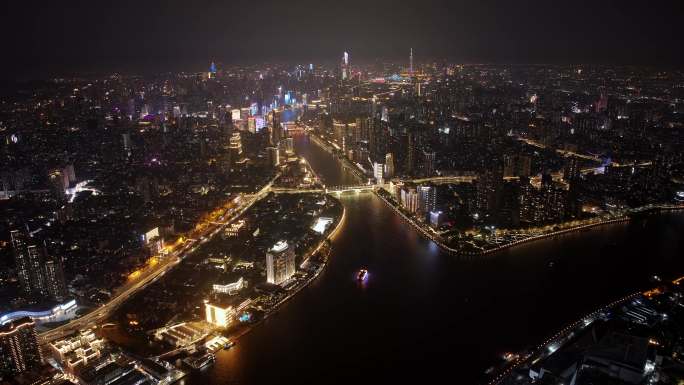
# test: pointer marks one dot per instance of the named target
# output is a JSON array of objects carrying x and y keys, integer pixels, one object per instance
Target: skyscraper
[
  {"x": 280, "y": 263},
  {"x": 489, "y": 187},
  {"x": 411, "y": 154},
  {"x": 275, "y": 128},
  {"x": 235, "y": 147},
  {"x": 19, "y": 349},
  {"x": 54, "y": 279},
  {"x": 378, "y": 171},
  {"x": 428, "y": 163},
  {"x": 40, "y": 277},
  {"x": 29, "y": 262},
  {"x": 428, "y": 198},
  {"x": 411, "y": 63},
  {"x": 345, "y": 66},
  {"x": 410, "y": 199},
  {"x": 389, "y": 165}
]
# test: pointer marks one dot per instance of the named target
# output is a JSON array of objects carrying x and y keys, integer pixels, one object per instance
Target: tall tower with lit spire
[{"x": 411, "y": 63}]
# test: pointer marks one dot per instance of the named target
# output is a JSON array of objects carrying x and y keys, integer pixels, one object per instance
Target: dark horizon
[{"x": 71, "y": 37}]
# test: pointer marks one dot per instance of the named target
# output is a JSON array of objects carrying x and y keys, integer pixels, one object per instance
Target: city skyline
[
  {"x": 341, "y": 192},
  {"x": 149, "y": 37}
]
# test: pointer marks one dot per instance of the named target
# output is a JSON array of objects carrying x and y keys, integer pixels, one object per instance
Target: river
[{"x": 427, "y": 316}]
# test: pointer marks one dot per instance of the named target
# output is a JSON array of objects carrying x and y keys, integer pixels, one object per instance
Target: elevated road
[{"x": 166, "y": 263}]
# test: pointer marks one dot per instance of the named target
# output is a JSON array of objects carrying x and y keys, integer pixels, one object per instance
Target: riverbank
[
  {"x": 331, "y": 236},
  {"x": 581, "y": 227},
  {"x": 525, "y": 360},
  {"x": 542, "y": 350}
]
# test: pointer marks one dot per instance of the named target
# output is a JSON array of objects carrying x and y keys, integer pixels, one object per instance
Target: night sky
[{"x": 66, "y": 37}]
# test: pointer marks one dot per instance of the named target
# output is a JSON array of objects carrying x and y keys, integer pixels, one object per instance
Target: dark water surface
[{"x": 427, "y": 317}]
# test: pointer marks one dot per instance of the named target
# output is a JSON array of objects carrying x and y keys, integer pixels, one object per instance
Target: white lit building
[
  {"x": 321, "y": 224},
  {"x": 230, "y": 288},
  {"x": 280, "y": 263},
  {"x": 409, "y": 199},
  {"x": 378, "y": 172}
]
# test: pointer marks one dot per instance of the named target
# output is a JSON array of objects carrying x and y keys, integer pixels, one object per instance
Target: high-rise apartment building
[{"x": 19, "y": 349}]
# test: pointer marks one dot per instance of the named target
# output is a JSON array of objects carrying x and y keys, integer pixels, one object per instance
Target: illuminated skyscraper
[
  {"x": 428, "y": 198},
  {"x": 280, "y": 263},
  {"x": 235, "y": 146},
  {"x": 411, "y": 63},
  {"x": 40, "y": 278},
  {"x": 378, "y": 172},
  {"x": 389, "y": 165},
  {"x": 54, "y": 279},
  {"x": 345, "y": 66},
  {"x": 19, "y": 349},
  {"x": 29, "y": 263},
  {"x": 274, "y": 120},
  {"x": 410, "y": 199}
]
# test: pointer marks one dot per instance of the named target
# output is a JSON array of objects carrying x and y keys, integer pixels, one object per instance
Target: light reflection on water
[{"x": 424, "y": 315}]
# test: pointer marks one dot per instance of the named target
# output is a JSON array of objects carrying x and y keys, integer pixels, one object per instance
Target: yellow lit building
[{"x": 219, "y": 316}]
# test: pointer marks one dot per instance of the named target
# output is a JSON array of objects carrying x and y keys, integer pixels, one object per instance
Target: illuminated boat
[{"x": 362, "y": 275}]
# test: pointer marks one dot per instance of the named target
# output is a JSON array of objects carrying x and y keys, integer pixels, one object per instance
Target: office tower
[
  {"x": 29, "y": 264},
  {"x": 389, "y": 165},
  {"x": 273, "y": 156},
  {"x": 274, "y": 118},
  {"x": 19, "y": 349},
  {"x": 428, "y": 198},
  {"x": 345, "y": 66},
  {"x": 378, "y": 171},
  {"x": 429, "y": 163},
  {"x": 235, "y": 146},
  {"x": 54, "y": 279},
  {"x": 280, "y": 263}
]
